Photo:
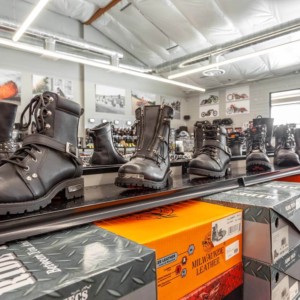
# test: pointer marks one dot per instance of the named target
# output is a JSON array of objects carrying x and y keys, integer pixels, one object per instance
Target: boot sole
[
  {"x": 133, "y": 182},
  {"x": 208, "y": 173},
  {"x": 73, "y": 188},
  {"x": 257, "y": 166}
]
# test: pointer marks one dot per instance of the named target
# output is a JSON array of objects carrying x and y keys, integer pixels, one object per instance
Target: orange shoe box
[{"x": 194, "y": 242}]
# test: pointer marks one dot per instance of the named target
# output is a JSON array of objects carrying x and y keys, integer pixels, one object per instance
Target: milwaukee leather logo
[{"x": 13, "y": 274}]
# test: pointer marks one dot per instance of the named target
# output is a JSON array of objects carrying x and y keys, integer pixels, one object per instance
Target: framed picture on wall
[
  {"x": 61, "y": 86},
  {"x": 109, "y": 99},
  {"x": 139, "y": 99},
  {"x": 10, "y": 86},
  {"x": 175, "y": 103}
]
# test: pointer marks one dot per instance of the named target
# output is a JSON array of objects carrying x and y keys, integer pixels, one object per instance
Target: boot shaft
[
  {"x": 215, "y": 132},
  {"x": 153, "y": 130},
  {"x": 101, "y": 135},
  {"x": 256, "y": 138},
  {"x": 269, "y": 126},
  {"x": 7, "y": 119},
  {"x": 297, "y": 139},
  {"x": 55, "y": 117},
  {"x": 284, "y": 137},
  {"x": 198, "y": 136}
]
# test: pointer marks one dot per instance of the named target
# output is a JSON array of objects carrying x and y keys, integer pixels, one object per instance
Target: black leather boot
[
  {"x": 7, "y": 120},
  {"x": 48, "y": 161},
  {"x": 150, "y": 165},
  {"x": 105, "y": 152},
  {"x": 269, "y": 134},
  {"x": 256, "y": 156},
  {"x": 235, "y": 143},
  {"x": 214, "y": 157},
  {"x": 285, "y": 154},
  {"x": 198, "y": 137}
]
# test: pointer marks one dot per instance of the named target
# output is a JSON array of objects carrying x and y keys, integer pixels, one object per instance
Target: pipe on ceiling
[{"x": 250, "y": 40}]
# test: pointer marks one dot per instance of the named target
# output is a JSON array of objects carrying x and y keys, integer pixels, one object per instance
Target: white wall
[
  {"x": 259, "y": 99},
  {"x": 84, "y": 78}
]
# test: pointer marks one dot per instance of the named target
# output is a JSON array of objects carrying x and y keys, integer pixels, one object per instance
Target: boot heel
[{"x": 75, "y": 189}]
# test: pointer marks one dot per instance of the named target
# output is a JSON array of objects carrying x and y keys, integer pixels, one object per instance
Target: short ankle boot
[
  {"x": 256, "y": 156},
  {"x": 150, "y": 165},
  {"x": 7, "y": 120},
  {"x": 213, "y": 159},
  {"x": 285, "y": 154},
  {"x": 105, "y": 152},
  {"x": 48, "y": 161}
]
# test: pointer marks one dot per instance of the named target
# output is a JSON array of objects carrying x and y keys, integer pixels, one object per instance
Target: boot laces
[
  {"x": 287, "y": 140},
  {"x": 256, "y": 138},
  {"x": 210, "y": 132},
  {"x": 37, "y": 108}
]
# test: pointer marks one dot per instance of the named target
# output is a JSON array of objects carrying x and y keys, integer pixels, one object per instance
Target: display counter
[{"x": 107, "y": 201}]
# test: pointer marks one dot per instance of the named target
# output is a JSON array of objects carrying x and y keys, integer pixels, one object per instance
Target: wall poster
[
  {"x": 10, "y": 86},
  {"x": 110, "y": 99},
  {"x": 61, "y": 86},
  {"x": 209, "y": 105},
  {"x": 140, "y": 99},
  {"x": 175, "y": 103},
  {"x": 237, "y": 100}
]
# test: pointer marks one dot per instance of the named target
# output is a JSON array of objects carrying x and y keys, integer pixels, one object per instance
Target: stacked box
[
  {"x": 220, "y": 286},
  {"x": 271, "y": 219},
  {"x": 271, "y": 237},
  {"x": 273, "y": 281},
  {"x": 194, "y": 242},
  {"x": 82, "y": 263}
]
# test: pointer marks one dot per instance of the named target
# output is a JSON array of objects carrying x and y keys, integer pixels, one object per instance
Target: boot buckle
[{"x": 71, "y": 149}]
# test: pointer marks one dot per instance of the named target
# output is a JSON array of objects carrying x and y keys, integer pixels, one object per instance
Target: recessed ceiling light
[{"x": 213, "y": 72}]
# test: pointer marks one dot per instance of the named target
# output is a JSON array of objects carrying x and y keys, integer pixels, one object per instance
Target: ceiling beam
[{"x": 101, "y": 11}]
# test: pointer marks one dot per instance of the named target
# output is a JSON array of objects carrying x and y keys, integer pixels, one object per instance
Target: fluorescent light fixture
[
  {"x": 37, "y": 9},
  {"x": 93, "y": 63},
  {"x": 231, "y": 60}
]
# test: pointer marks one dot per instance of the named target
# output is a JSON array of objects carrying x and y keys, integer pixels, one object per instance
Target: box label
[
  {"x": 280, "y": 241},
  {"x": 167, "y": 259},
  {"x": 294, "y": 290},
  {"x": 226, "y": 228},
  {"x": 232, "y": 250},
  {"x": 281, "y": 291}
]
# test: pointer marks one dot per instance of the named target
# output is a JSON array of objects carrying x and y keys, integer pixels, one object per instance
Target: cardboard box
[
  {"x": 220, "y": 286},
  {"x": 78, "y": 264},
  {"x": 279, "y": 281},
  {"x": 271, "y": 218},
  {"x": 194, "y": 242}
]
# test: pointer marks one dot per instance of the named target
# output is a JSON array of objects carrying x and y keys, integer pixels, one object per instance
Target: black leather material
[
  {"x": 214, "y": 156},
  {"x": 198, "y": 138},
  {"x": 26, "y": 177},
  {"x": 285, "y": 147},
  {"x": 105, "y": 152},
  {"x": 269, "y": 124},
  {"x": 256, "y": 155},
  {"x": 297, "y": 141},
  {"x": 151, "y": 159}
]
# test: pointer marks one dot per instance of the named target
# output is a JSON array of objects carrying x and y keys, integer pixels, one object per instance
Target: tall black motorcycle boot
[
  {"x": 269, "y": 133},
  {"x": 198, "y": 137},
  {"x": 48, "y": 161},
  {"x": 297, "y": 140},
  {"x": 285, "y": 154},
  {"x": 150, "y": 165},
  {"x": 214, "y": 157},
  {"x": 7, "y": 120},
  {"x": 256, "y": 156},
  {"x": 105, "y": 152}
]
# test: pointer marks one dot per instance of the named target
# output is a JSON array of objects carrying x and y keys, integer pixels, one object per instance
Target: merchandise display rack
[{"x": 108, "y": 201}]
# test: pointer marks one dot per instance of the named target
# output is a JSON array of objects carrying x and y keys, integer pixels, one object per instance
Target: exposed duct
[{"x": 250, "y": 40}]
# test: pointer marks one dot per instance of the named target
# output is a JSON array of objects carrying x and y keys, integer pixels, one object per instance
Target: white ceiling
[{"x": 148, "y": 28}]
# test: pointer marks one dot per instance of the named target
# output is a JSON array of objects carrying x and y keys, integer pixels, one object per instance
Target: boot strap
[
  {"x": 44, "y": 140},
  {"x": 217, "y": 144}
]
